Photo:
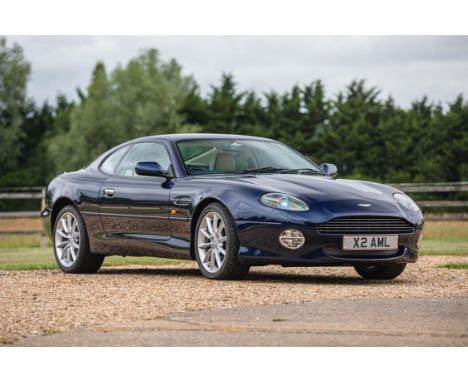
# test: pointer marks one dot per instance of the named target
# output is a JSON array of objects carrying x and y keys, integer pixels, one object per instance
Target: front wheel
[
  {"x": 217, "y": 244},
  {"x": 380, "y": 272},
  {"x": 71, "y": 244}
]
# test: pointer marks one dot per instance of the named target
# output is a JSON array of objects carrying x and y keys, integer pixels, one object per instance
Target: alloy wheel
[
  {"x": 212, "y": 241},
  {"x": 67, "y": 239}
]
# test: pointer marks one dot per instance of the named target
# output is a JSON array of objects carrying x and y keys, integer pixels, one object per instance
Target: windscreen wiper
[
  {"x": 300, "y": 170},
  {"x": 262, "y": 170}
]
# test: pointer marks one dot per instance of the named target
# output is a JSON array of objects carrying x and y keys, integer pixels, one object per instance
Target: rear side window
[{"x": 111, "y": 162}]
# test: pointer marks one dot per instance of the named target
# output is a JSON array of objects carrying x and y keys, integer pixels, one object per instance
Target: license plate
[{"x": 370, "y": 243}]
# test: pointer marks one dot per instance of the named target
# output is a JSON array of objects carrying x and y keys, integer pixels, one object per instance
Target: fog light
[
  {"x": 291, "y": 239},
  {"x": 419, "y": 241}
]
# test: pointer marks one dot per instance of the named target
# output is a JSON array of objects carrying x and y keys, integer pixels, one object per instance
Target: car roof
[{"x": 184, "y": 137}]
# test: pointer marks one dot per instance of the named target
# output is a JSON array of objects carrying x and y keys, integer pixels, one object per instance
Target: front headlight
[
  {"x": 406, "y": 201},
  {"x": 283, "y": 202}
]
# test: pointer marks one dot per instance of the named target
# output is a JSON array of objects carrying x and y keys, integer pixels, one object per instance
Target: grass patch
[
  {"x": 444, "y": 247},
  {"x": 23, "y": 252},
  {"x": 21, "y": 241},
  {"x": 27, "y": 259},
  {"x": 455, "y": 266},
  {"x": 446, "y": 231}
]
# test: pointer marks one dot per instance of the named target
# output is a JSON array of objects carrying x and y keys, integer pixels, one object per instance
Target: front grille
[{"x": 365, "y": 224}]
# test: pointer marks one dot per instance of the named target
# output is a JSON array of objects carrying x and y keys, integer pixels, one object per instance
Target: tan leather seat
[{"x": 225, "y": 162}]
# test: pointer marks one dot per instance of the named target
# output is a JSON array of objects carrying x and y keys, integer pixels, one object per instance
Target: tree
[
  {"x": 224, "y": 107},
  {"x": 291, "y": 119},
  {"x": 351, "y": 137},
  {"x": 143, "y": 98},
  {"x": 14, "y": 74},
  {"x": 442, "y": 145},
  {"x": 195, "y": 108},
  {"x": 252, "y": 116}
]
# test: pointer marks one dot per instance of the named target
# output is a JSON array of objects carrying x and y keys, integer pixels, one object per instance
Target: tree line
[{"x": 366, "y": 136}]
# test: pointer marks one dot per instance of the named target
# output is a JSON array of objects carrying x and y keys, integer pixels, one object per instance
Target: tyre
[
  {"x": 217, "y": 244},
  {"x": 71, "y": 244},
  {"x": 380, "y": 272}
]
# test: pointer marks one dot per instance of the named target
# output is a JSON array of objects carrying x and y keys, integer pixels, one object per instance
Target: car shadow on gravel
[
  {"x": 166, "y": 271},
  {"x": 256, "y": 276},
  {"x": 319, "y": 279}
]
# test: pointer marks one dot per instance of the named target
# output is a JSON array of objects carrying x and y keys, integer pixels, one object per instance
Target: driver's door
[{"x": 134, "y": 206}]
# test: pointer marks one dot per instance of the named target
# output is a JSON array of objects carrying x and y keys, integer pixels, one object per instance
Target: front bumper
[{"x": 260, "y": 246}]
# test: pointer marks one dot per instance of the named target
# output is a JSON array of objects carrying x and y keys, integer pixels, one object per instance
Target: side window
[
  {"x": 109, "y": 164},
  {"x": 143, "y": 152}
]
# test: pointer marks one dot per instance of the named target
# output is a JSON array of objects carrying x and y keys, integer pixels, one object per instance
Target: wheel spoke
[
  {"x": 223, "y": 251},
  {"x": 62, "y": 244},
  {"x": 209, "y": 226},
  {"x": 218, "y": 260},
  {"x": 75, "y": 228},
  {"x": 75, "y": 245},
  {"x": 207, "y": 257},
  {"x": 205, "y": 233},
  {"x": 72, "y": 253},
  {"x": 63, "y": 234},
  {"x": 64, "y": 253},
  {"x": 212, "y": 261},
  {"x": 64, "y": 225},
  {"x": 69, "y": 223},
  {"x": 69, "y": 256},
  {"x": 205, "y": 245},
  {"x": 216, "y": 220}
]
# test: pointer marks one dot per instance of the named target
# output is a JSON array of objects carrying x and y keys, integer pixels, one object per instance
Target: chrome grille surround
[{"x": 365, "y": 225}]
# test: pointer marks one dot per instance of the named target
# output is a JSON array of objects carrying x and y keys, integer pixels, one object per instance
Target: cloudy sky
[{"x": 405, "y": 67}]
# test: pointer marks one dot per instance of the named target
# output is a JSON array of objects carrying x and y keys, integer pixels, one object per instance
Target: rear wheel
[
  {"x": 380, "y": 272},
  {"x": 71, "y": 244},
  {"x": 217, "y": 244}
]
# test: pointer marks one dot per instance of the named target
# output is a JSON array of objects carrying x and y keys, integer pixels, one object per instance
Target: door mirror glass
[
  {"x": 329, "y": 169},
  {"x": 150, "y": 169}
]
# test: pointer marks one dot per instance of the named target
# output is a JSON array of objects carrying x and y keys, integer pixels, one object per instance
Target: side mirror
[
  {"x": 150, "y": 169},
  {"x": 329, "y": 169}
]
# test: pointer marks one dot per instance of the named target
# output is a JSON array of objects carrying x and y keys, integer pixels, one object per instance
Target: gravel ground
[{"x": 45, "y": 302}]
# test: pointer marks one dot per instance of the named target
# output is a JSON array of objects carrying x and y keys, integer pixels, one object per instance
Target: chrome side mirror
[{"x": 329, "y": 169}]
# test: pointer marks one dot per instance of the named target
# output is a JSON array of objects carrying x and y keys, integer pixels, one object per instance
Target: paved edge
[{"x": 338, "y": 322}]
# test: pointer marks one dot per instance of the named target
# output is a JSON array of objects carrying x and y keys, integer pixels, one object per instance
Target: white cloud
[{"x": 405, "y": 67}]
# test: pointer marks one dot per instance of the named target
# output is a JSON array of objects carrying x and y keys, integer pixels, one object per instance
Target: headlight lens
[
  {"x": 406, "y": 202},
  {"x": 283, "y": 202}
]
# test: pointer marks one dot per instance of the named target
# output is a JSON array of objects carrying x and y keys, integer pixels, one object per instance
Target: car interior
[{"x": 222, "y": 157}]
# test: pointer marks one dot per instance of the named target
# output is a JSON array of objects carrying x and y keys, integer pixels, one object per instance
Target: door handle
[
  {"x": 109, "y": 192},
  {"x": 182, "y": 200}
]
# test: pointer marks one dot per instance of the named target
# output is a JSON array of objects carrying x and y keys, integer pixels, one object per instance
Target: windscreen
[{"x": 219, "y": 156}]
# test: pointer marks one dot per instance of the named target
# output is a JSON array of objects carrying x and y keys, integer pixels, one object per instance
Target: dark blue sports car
[{"x": 228, "y": 202}]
